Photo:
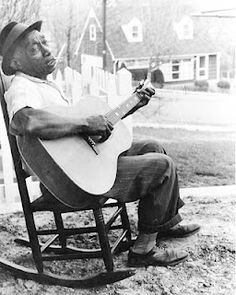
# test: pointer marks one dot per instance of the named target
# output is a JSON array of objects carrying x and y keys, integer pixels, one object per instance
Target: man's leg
[
  {"x": 178, "y": 231},
  {"x": 146, "y": 173}
]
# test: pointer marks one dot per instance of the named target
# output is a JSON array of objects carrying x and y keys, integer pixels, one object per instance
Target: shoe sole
[{"x": 145, "y": 264}]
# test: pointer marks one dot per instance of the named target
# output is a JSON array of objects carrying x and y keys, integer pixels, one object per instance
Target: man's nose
[{"x": 45, "y": 50}]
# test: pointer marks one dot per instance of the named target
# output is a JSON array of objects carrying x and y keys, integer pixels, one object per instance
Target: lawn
[{"x": 203, "y": 158}]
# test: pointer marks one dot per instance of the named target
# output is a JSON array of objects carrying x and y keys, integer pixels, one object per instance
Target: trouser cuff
[{"x": 149, "y": 229}]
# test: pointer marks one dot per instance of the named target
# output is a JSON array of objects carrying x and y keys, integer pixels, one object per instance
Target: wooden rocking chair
[{"x": 49, "y": 250}]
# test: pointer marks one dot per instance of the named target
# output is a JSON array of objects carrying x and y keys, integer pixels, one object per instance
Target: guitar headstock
[{"x": 139, "y": 86}]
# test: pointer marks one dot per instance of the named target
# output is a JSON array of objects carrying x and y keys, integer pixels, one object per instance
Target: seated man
[{"x": 144, "y": 173}]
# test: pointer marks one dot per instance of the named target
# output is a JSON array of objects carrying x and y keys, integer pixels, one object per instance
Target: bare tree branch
[{"x": 19, "y": 10}]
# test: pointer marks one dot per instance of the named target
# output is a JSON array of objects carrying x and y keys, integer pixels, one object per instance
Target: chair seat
[{"x": 47, "y": 202}]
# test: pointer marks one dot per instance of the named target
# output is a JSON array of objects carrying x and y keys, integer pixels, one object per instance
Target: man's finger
[
  {"x": 145, "y": 93},
  {"x": 110, "y": 126},
  {"x": 105, "y": 136},
  {"x": 150, "y": 90}
]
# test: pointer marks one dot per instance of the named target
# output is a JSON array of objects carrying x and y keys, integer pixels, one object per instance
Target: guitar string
[{"x": 116, "y": 114}]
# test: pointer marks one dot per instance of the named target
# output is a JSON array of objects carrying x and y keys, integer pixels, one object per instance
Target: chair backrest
[
  {"x": 21, "y": 175},
  {"x": 3, "y": 103}
]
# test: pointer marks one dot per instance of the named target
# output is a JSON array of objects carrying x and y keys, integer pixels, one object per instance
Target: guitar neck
[{"x": 115, "y": 115}]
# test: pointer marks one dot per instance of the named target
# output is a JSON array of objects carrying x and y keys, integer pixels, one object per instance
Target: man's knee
[
  {"x": 152, "y": 146},
  {"x": 165, "y": 163}
]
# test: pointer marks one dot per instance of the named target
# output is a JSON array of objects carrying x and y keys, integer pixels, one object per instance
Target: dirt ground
[{"x": 210, "y": 268}]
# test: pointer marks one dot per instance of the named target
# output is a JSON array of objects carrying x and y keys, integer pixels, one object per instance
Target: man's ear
[{"x": 15, "y": 64}]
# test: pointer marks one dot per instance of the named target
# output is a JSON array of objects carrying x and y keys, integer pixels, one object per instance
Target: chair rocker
[{"x": 56, "y": 246}]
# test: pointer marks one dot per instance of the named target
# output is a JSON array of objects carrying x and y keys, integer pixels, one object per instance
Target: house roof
[{"x": 159, "y": 36}]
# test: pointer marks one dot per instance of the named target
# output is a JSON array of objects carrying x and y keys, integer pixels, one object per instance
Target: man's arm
[{"x": 46, "y": 125}]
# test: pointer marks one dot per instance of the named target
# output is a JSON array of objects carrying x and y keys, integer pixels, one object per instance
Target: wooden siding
[{"x": 180, "y": 71}]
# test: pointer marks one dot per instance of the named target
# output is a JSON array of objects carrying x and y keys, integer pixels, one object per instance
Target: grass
[{"x": 203, "y": 158}]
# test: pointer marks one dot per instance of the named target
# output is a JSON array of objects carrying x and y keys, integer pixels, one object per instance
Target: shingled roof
[{"x": 158, "y": 25}]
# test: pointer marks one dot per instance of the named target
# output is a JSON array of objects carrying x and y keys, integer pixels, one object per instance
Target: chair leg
[
  {"x": 125, "y": 221},
  {"x": 103, "y": 239},
  {"x": 34, "y": 242},
  {"x": 60, "y": 228}
]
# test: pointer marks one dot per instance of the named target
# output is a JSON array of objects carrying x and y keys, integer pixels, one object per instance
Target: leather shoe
[
  {"x": 179, "y": 231},
  {"x": 157, "y": 257}
]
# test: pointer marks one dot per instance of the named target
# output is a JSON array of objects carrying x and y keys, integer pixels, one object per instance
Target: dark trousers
[{"x": 147, "y": 174}]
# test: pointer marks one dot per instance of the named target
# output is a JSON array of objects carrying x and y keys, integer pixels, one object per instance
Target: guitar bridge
[{"x": 91, "y": 143}]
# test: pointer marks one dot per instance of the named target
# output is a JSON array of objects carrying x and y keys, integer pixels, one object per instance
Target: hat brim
[{"x": 7, "y": 70}]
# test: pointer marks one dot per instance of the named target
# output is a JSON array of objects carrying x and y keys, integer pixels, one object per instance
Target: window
[
  {"x": 175, "y": 69},
  {"x": 92, "y": 33},
  {"x": 187, "y": 31},
  {"x": 202, "y": 61},
  {"x": 202, "y": 69},
  {"x": 202, "y": 73},
  {"x": 175, "y": 76},
  {"x": 135, "y": 32}
]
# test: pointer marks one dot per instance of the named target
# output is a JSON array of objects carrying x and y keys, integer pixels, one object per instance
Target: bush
[
  {"x": 202, "y": 85},
  {"x": 223, "y": 84}
]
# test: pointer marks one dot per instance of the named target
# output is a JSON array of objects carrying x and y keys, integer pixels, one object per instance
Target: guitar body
[{"x": 71, "y": 159}]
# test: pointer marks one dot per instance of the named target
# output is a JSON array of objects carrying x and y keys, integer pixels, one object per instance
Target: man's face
[{"x": 35, "y": 56}]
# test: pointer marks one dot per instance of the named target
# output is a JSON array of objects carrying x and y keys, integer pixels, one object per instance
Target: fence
[{"x": 111, "y": 88}]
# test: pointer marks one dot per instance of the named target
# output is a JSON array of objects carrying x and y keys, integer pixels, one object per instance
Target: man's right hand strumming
[{"x": 98, "y": 125}]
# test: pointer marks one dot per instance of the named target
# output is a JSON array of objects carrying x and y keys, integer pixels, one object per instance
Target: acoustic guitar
[{"x": 66, "y": 163}]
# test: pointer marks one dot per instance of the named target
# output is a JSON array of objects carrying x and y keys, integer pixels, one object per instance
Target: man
[{"x": 144, "y": 173}]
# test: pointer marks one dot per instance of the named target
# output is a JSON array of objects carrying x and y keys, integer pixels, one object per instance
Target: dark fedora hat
[{"x": 10, "y": 35}]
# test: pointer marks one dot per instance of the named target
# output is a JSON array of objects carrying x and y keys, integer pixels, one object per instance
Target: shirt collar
[
  {"x": 37, "y": 80},
  {"x": 34, "y": 79}
]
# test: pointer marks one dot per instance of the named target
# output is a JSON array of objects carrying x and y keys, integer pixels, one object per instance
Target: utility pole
[{"x": 104, "y": 49}]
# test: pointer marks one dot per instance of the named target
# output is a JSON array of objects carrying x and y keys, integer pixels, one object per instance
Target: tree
[
  {"x": 64, "y": 23},
  {"x": 25, "y": 11}
]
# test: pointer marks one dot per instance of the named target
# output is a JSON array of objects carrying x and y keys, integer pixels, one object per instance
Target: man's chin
[
  {"x": 51, "y": 69},
  {"x": 51, "y": 65}
]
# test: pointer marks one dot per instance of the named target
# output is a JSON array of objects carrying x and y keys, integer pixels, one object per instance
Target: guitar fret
[{"x": 119, "y": 112}]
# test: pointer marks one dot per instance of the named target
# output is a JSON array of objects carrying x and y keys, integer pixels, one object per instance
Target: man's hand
[
  {"x": 99, "y": 126},
  {"x": 144, "y": 95}
]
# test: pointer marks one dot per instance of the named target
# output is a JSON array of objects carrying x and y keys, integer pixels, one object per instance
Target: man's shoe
[
  {"x": 157, "y": 257},
  {"x": 179, "y": 231}
]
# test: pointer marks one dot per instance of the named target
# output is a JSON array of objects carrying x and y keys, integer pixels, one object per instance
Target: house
[
  {"x": 148, "y": 39},
  {"x": 222, "y": 30}
]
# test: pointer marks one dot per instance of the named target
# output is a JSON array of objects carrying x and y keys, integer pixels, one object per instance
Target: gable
[
  {"x": 90, "y": 41},
  {"x": 184, "y": 28},
  {"x": 91, "y": 27},
  {"x": 133, "y": 30}
]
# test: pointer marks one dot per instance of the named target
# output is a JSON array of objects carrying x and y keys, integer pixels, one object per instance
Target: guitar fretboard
[{"x": 119, "y": 112}]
